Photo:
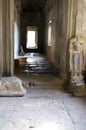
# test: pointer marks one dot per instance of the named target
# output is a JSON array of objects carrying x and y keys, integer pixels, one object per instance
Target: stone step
[{"x": 37, "y": 64}]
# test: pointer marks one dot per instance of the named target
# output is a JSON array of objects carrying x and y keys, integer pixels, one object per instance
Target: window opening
[{"x": 49, "y": 32}]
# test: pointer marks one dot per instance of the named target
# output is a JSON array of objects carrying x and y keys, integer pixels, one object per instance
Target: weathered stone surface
[
  {"x": 43, "y": 109},
  {"x": 35, "y": 63},
  {"x": 77, "y": 55},
  {"x": 77, "y": 66},
  {"x": 79, "y": 91},
  {"x": 77, "y": 86},
  {"x": 11, "y": 86},
  {"x": 58, "y": 14}
]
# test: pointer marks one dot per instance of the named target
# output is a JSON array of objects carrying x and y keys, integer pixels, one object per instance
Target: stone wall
[
  {"x": 82, "y": 24},
  {"x": 57, "y": 11},
  {"x": 76, "y": 21},
  {"x": 68, "y": 20},
  {"x": 82, "y": 19}
]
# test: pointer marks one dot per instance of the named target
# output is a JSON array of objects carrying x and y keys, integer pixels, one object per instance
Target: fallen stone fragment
[{"x": 11, "y": 86}]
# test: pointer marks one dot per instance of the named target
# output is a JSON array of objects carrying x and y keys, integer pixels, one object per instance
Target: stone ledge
[{"x": 11, "y": 86}]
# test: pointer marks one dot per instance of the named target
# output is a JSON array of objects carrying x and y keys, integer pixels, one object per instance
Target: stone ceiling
[{"x": 33, "y": 5}]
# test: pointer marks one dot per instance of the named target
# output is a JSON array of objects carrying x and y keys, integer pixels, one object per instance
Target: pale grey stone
[
  {"x": 43, "y": 109},
  {"x": 11, "y": 86},
  {"x": 77, "y": 66}
]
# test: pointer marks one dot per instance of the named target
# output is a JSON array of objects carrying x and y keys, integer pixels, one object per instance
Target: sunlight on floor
[
  {"x": 48, "y": 126},
  {"x": 30, "y": 60}
]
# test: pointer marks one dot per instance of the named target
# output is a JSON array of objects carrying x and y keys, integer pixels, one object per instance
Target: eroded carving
[{"x": 77, "y": 62}]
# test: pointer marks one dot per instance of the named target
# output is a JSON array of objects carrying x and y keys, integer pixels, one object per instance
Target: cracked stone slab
[{"x": 11, "y": 86}]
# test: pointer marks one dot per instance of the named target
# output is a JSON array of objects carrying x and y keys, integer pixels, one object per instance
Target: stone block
[
  {"x": 11, "y": 86},
  {"x": 79, "y": 91}
]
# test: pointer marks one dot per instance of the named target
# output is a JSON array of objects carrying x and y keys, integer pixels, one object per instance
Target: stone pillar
[
  {"x": 8, "y": 34},
  {"x": 1, "y": 40},
  {"x": 7, "y": 42},
  {"x": 12, "y": 37}
]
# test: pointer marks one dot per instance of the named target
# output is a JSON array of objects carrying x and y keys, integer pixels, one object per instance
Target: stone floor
[
  {"x": 46, "y": 106},
  {"x": 43, "y": 109}
]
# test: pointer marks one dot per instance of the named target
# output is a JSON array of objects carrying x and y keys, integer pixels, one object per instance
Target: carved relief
[
  {"x": 77, "y": 64},
  {"x": 77, "y": 55}
]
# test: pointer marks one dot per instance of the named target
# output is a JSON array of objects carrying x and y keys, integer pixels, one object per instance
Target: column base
[{"x": 77, "y": 86}]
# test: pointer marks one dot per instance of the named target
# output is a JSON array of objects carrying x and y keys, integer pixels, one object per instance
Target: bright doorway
[{"x": 32, "y": 38}]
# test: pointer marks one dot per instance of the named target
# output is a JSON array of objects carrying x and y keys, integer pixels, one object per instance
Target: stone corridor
[{"x": 57, "y": 25}]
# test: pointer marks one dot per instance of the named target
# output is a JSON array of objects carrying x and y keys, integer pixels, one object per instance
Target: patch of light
[
  {"x": 48, "y": 126},
  {"x": 30, "y": 60}
]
